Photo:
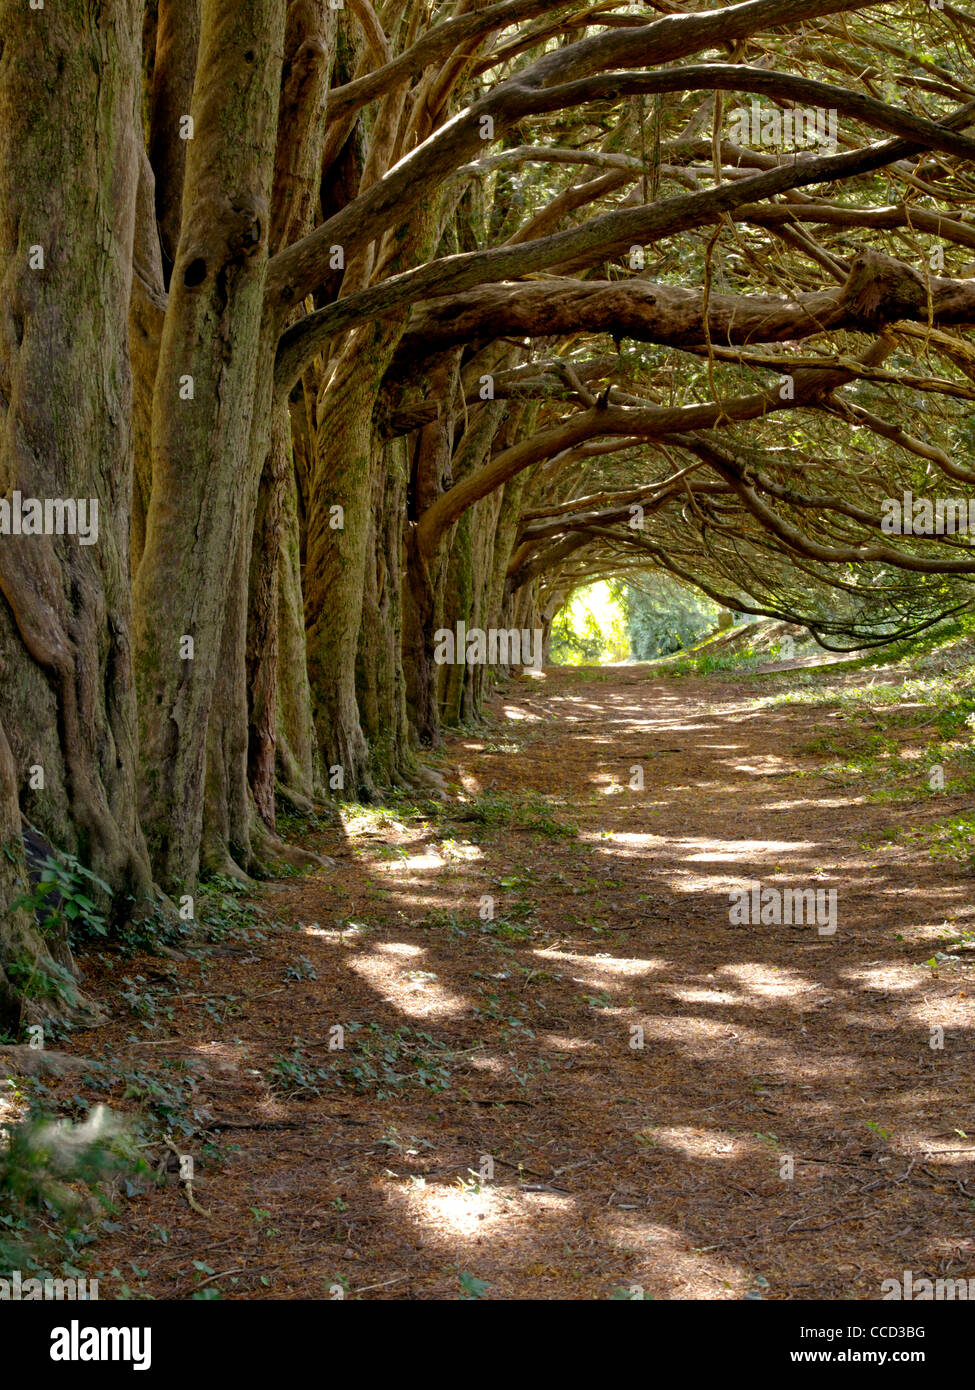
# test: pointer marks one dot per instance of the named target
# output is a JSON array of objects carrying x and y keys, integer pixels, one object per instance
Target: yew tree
[{"x": 361, "y": 320}]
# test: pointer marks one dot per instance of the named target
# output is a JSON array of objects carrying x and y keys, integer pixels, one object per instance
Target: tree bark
[
  {"x": 174, "y": 70},
  {"x": 275, "y": 579},
  {"x": 70, "y": 84},
  {"x": 336, "y": 553},
  {"x": 263, "y": 653},
  {"x": 202, "y": 472},
  {"x": 380, "y": 683}
]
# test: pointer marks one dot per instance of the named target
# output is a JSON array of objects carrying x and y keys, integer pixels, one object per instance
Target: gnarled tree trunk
[
  {"x": 70, "y": 82},
  {"x": 203, "y": 417}
]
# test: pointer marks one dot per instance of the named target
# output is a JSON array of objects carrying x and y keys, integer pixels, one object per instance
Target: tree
[
  {"x": 69, "y": 171},
  {"x": 384, "y": 319}
]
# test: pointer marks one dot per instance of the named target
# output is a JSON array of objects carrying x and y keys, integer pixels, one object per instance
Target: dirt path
[{"x": 615, "y": 1166}]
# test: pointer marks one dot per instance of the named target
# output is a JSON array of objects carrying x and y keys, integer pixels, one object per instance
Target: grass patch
[{"x": 517, "y": 811}]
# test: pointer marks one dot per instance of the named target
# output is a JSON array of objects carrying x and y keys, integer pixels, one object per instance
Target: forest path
[{"x": 662, "y": 1167}]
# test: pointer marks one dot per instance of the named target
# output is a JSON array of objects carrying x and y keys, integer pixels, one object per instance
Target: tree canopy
[{"x": 360, "y": 321}]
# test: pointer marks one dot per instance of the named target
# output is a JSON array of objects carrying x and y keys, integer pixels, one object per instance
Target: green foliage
[
  {"x": 914, "y": 710},
  {"x": 53, "y": 1175},
  {"x": 507, "y": 930},
  {"x": 953, "y": 839},
  {"x": 62, "y": 905},
  {"x": 148, "y": 925},
  {"x": 385, "y": 1062},
  {"x": 707, "y": 663},
  {"x": 527, "y": 810},
  {"x": 377, "y": 1061},
  {"x": 68, "y": 878},
  {"x": 590, "y": 628},
  {"x": 472, "y": 1287},
  {"x": 300, "y": 969},
  {"x": 223, "y": 910},
  {"x": 293, "y": 1077},
  {"x": 48, "y": 981},
  {"x": 664, "y": 616},
  {"x": 166, "y": 1096}
]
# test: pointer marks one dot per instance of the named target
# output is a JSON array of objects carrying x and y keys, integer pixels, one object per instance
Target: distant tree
[{"x": 663, "y": 616}]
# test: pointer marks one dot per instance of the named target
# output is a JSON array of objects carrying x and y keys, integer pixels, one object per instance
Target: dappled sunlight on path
[{"x": 566, "y": 1070}]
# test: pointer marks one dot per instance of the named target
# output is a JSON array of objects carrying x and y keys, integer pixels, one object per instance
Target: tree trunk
[
  {"x": 70, "y": 83},
  {"x": 174, "y": 69},
  {"x": 420, "y": 621},
  {"x": 299, "y": 763},
  {"x": 380, "y": 680},
  {"x": 337, "y": 548},
  {"x": 203, "y": 415},
  {"x": 263, "y": 617},
  {"x": 275, "y": 610},
  {"x": 147, "y": 310}
]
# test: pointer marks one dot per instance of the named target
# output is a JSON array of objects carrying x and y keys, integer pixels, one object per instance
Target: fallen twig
[
  {"x": 187, "y": 1182},
  {"x": 384, "y": 1285},
  {"x": 255, "y": 1124},
  {"x": 209, "y": 1280}
]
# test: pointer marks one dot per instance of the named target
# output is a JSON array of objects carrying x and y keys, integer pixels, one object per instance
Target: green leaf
[{"x": 472, "y": 1286}]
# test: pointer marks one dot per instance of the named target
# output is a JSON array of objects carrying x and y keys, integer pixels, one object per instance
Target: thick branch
[
  {"x": 599, "y": 238},
  {"x": 878, "y": 290},
  {"x": 653, "y": 422},
  {"x": 297, "y": 271}
]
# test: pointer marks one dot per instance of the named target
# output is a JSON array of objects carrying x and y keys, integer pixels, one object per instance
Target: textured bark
[
  {"x": 495, "y": 521},
  {"x": 203, "y": 449},
  {"x": 174, "y": 70},
  {"x": 336, "y": 557},
  {"x": 147, "y": 309},
  {"x": 421, "y": 617},
  {"x": 878, "y": 290},
  {"x": 231, "y": 815},
  {"x": 240, "y": 752},
  {"x": 503, "y": 543},
  {"x": 380, "y": 684},
  {"x": 69, "y": 129},
  {"x": 226, "y": 838},
  {"x": 458, "y": 595},
  {"x": 452, "y": 680},
  {"x": 18, "y": 941},
  {"x": 463, "y": 560},
  {"x": 295, "y": 272},
  {"x": 308, "y": 48},
  {"x": 309, "y": 41},
  {"x": 263, "y": 615},
  {"x": 201, "y": 498},
  {"x": 298, "y": 760},
  {"x": 430, "y": 476}
]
